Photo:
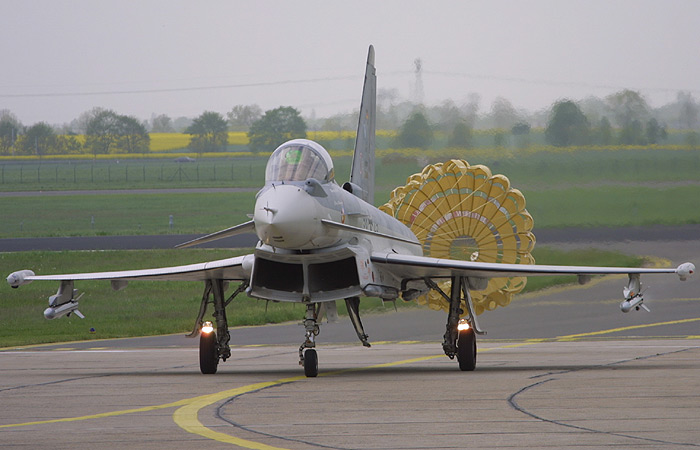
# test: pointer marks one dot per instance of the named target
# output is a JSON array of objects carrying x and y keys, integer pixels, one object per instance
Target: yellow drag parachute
[{"x": 464, "y": 212}]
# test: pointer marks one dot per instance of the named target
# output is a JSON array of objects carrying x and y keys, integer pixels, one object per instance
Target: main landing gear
[
  {"x": 460, "y": 334},
  {"x": 459, "y": 339},
  {"x": 214, "y": 339}
]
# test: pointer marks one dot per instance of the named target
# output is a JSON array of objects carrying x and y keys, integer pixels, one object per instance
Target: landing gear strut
[
  {"x": 460, "y": 334},
  {"x": 214, "y": 345},
  {"x": 307, "y": 353},
  {"x": 353, "y": 305}
]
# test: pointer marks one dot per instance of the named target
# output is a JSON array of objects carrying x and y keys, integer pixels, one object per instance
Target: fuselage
[
  {"x": 290, "y": 208},
  {"x": 315, "y": 236}
]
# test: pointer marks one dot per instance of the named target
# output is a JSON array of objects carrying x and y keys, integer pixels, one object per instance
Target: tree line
[
  {"x": 104, "y": 132},
  {"x": 622, "y": 118},
  {"x": 265, "y": 131}
]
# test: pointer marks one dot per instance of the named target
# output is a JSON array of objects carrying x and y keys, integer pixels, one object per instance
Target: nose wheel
[
  {"x": 307, "y": 354},
  {"x": 310, "y": 363}
]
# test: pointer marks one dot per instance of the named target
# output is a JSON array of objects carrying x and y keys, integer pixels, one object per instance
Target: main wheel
[
  {"x": 466, "y": 350},
  {"x": 208, "y": 359},
  {"x": 310, "y": 363}
]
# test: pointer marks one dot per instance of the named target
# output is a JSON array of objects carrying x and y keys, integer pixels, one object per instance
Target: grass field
[
  {"x": 125, "y": 214},
  {"x": 128, "y": 214},
  {"x": 582, "y": 188},
  {"x": 153, "y": 307}
]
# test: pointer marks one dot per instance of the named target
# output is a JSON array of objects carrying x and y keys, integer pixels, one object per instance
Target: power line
[
  {"x": 181, "y": 89},
  {"x": 551, "y": 82}
]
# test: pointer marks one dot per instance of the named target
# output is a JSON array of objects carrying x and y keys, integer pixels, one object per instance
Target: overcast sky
[{"x": 184, "y": 57}]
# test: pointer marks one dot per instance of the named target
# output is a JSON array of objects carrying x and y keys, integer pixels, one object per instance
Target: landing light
[
  {"x": 207, "y": 327},
  {"x": 463, "y": 325}
]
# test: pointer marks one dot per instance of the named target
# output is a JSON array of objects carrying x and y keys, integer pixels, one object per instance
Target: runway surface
[{"x": 559, "y": 369}]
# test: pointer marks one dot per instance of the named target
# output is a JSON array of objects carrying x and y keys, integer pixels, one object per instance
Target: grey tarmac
[{"x": 553, "y": 394}]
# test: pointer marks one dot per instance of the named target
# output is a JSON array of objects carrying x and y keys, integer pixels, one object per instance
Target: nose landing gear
[{"x": 307, "y": 353}]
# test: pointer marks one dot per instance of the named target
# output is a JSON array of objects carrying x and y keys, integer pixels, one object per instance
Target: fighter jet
[{"x": 320, "y": 242}]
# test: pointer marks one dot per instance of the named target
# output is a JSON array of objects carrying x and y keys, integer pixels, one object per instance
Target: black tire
[
  {"x": 208, "y": 359},
  {"x": 310, "y": 363},
  {"x": 466, "y": 350}
]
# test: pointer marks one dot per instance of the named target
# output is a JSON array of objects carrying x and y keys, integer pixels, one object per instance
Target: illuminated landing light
[
  {"x": 207, "y": 327},
  {"x": 463, "y": 325}
]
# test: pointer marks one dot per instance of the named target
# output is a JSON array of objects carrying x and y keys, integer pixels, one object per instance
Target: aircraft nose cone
[{"x": 285, "y": 217}]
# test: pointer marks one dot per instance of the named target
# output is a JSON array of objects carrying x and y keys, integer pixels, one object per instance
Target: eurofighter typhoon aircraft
[{"x": 321, "y": 242}]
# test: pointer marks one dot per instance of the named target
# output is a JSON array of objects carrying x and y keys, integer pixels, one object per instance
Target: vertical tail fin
[{"x": 362, "y": 174}]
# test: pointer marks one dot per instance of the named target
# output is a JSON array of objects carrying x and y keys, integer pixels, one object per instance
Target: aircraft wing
[
  {"x": 226, "y": 269},
  {"x": 416, "y": 267}
]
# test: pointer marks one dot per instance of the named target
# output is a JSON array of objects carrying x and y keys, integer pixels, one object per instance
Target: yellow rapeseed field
[
  {"x": 238, "y": 138},
  {"x": 171, "y": 141},
  {"x": 168, "y": 141}
]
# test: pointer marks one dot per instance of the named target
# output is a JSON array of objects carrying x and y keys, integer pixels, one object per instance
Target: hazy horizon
[{"x": 181, "y": 58}]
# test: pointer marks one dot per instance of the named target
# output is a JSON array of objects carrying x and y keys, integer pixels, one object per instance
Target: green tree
[
  {"x": 503, "y": 114},
  {"x": 100, "y": 131},
  {"x": 241, "y": 117},
  {"x": 68, "y": 145},
  {"x": 461, "y": 136},
  {"x": 520, "y": 128},
  {"x": 132, "y": 135},
  {"x": 521, "y": 133},
  {"x": 275, "y": 127},
  {"x": 162, "y": 124},
  {"x": 632, "y": 134},
  {"x": 567, "y": 125},
  {"x": 209, "y": 133},
  {"x": 688, "y": 111},
  {"x": 628, "y": 106},
  {"x": 39, "y": 139},
  {"x": 604, "y": 133},
  {"x": 10, "y": 129},
  {"x": 447, "y": 116},
  {"x": 692, "y": 139},
  {"x": 415, "y": 132},
  {"x": 630, "y": 111},
  {"x": 109, "y": 132},
  {"x": 654, "y": 132}
]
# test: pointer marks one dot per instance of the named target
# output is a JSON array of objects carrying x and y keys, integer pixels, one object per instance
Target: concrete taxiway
[{"x": 555, "y": 394}]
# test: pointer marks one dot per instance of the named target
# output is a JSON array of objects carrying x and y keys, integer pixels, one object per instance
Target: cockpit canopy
[{"x": 299, "y": 160}]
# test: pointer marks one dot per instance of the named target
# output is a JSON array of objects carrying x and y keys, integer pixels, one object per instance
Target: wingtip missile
[
  {"x": 685, "y": 270},
  {"x": 19, "y": 278}
]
